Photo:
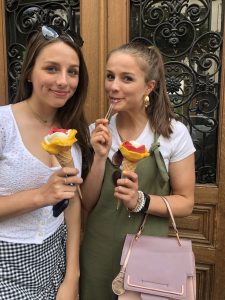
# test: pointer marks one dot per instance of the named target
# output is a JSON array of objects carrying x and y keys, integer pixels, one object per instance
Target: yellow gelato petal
[
  {"x": 58, "y": 141},
  {"x": 131, "y": 155}
]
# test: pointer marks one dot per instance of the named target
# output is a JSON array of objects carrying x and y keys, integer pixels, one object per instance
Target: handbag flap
[{"x": 158, "y": 265}]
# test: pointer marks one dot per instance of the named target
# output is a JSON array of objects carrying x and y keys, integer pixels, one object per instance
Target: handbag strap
[
  {"x": 138, "y": 234},
  {"x": 141, "y": 228},
  {"x": 172, "y": 219},
  {"x": 127, "y": 256}
]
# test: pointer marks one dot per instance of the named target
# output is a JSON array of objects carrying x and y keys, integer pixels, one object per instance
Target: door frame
[
  {"x": 108, "y": 29},
  {"x": 3, "y": 58},
  {"x": 220, "y": 242},
  {"x": 101, "y": 34}
]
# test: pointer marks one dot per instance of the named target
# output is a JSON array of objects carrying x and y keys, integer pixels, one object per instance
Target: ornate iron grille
[
  {"x": 190, "y": 41},
  {"x": 23, "y": 17}
]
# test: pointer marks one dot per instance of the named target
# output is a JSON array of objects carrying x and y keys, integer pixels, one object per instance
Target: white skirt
[{"x": 33, "y": 271}]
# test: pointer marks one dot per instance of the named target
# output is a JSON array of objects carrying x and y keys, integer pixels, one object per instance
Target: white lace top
[{"x": 19, "y": 171}]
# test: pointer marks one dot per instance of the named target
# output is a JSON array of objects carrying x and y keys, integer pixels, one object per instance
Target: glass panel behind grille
[{"x": 188, "y": 34}]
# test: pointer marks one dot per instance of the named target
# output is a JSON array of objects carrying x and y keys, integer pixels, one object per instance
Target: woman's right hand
[
  {"x": 101, "y": 138},
  {"x": 62, "y": 184}
]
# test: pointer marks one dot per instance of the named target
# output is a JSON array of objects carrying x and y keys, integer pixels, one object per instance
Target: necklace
[{"x": 38, "y": 116}]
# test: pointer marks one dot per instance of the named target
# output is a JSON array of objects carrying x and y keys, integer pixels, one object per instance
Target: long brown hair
[
  {"x": 71, "y": 115},
  {"x": 151, "y": 63}
]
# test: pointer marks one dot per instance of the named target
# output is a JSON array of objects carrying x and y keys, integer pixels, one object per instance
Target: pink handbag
[{"x": 156, "y": 268}]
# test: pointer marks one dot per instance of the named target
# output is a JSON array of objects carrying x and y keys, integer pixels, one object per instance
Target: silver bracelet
[{"x": 140, "y": 203}]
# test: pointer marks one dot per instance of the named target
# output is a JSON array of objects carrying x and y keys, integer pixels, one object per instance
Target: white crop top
[{"x": 19, "y": 171}]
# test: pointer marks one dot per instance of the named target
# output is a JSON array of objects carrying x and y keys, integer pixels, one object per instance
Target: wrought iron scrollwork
[
  {"x": 181, "y": 29},
  {"x": 11, "y": 5},
  {"x": 73, "y": 3},
  {"x": 29, "y": 18},
  {"x": 180, "y": 83}
]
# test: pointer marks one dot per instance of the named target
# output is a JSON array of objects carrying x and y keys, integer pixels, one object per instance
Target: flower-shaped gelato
[
  {"x": 132, "y": 151},
  {"x": 58, "y": 140}
]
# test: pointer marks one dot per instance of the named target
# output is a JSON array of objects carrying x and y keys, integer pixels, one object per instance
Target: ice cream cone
[
  {"x": 128, "y": 165},
  {"x": 64, "y": 157},
  {"x": 59, "y": 142},
  {"x": 132, "y": 153}
]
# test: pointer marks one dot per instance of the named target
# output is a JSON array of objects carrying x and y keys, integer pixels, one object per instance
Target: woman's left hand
[
  {"x": 127, "y": 189},
  {"x": 67, "y": 291}
]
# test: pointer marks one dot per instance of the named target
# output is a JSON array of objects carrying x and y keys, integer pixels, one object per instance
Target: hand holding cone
[
  {"x": 59, "y": 142},
  {"x": 132, "y": 153}
]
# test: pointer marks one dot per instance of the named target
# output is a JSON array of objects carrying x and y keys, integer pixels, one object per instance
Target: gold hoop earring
[{"x": 146, "y": 101}]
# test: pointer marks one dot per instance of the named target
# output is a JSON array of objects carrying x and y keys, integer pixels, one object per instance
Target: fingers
[
  {"x": 67, "y": 171},
  {"x": 62, "y": 184},
  {"x": 69, "y": 180},
  {"x": 128, "y": 178},
  {"x": 68, "y": 175},
  {"x": 102, "y": 125},
  {"x": 101, "y": 138},
  {"x": 127, "y": 196},
  {"x": 127, "y": 189},
  {"x": 102, "y": 132},
  {"x": 65, "y": 180},
  {"x": 102, "y": 121}
]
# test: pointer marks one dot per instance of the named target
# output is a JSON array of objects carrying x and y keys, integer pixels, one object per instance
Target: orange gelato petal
[{"x": 131, "y": 155}]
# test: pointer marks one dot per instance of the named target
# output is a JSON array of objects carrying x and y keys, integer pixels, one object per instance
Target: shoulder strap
[{"x": 158, "y": 157}]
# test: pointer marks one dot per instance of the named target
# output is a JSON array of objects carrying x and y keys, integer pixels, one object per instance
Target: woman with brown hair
[
  {"x": 40, "y": 252},
  {"x": 136, "y": 88}
]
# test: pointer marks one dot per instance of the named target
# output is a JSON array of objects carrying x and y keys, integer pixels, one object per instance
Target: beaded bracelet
[{"x": 140, "y": 203}]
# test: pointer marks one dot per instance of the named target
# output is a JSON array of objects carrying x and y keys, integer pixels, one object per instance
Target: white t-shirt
[
  {"x": 19, "y": 171},
  {"x": 173, "y": 149}
]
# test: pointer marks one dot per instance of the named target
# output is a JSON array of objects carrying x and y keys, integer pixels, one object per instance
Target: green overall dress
[{"x": 107, "y": 227}]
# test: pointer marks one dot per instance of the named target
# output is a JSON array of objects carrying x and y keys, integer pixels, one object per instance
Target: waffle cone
[
  {"x": 65, "y": 158},
  {"x": 128, "y": 165}
]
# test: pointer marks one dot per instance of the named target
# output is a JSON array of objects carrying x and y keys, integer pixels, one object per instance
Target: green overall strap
[{"x": 159, "y": 159}]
